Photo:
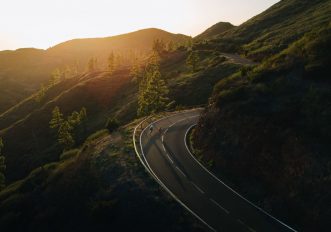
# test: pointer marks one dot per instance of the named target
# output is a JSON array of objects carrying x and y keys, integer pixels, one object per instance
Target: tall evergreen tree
[
  {"x": 136, "y": 71},
  {"x": 65, "y": 128},
  {"x": 65, "y": 137},
  {"x": 57, "y": 118},
  {"x": 153, "y": 90},
  {"x": 193, "y": 60}
]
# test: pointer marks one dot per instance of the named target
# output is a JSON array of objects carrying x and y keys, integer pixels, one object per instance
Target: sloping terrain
[
  {"x": 100, "y": 186},
  {"x": 267, "y": 128},
  {"x": 28, "y": 68},
  {"x": 25, "y": 128},
  {"x": 214, "y": 31},
  {"x": 31, "y": 143},
  {"x": 273, "y": 30}
]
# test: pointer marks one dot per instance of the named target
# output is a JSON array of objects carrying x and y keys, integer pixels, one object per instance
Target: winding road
[{"x": 166, "y": 156}]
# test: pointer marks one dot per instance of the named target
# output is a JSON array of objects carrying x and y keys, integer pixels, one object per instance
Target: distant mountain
[
  {"x": 141, "y": 40},
  {"x": 22, "y": 71},
  {"x": 214, "y": 30}
]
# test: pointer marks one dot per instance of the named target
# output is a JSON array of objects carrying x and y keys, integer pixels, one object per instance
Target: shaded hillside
[
  {"x": 25, "y": 129},
  {"x": 28, "y": 68},
  {"x": 273, "y": 30},
  {"x": 98, "y": 187},
  {"x": 269, "y": 127},
  {"x": 214, "y": 31},
  {"x": 31, "y": 143}
]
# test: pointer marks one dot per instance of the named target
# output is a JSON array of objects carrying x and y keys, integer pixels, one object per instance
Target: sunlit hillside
[
  {"x": 24, "y": 70},
  {"x": 228, "y": 130}
]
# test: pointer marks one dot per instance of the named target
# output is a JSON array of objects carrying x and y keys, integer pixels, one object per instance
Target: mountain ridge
[{"x": 30, "y": 67}]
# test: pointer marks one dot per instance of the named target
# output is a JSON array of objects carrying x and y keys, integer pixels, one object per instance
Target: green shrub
[
  {"x": 112, "y": 124},
  {"x": 69, "y": 154},
  {"x": 96, "y": 135}
]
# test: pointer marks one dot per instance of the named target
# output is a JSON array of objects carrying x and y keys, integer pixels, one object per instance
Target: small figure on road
[
  {"x": 151, "y": 129},
  {"x": 160, "y": 130}
]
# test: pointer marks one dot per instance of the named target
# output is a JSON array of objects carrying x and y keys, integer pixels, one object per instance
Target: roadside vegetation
[
  {"x": 97, "y": 186},
  {"x": 267, "y": 128},
  {"x": 66, "y": 158}
]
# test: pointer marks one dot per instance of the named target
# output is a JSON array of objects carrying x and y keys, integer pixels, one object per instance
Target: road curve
[{"x": 170, "y": 162}]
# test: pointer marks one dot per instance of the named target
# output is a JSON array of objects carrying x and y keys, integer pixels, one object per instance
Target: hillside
[
  {"x": 273, "y": 30},
  {"x": 99, "y": 186},
  {"x": 29, "y": 140},
  {"x": 22, "y": 71},
  {"x": 271, "y": 123},
  {"x": 139, "y": 41},
  {"x": 265, "y": 130},
  {"x": 113, "y": 188},
  {"x": 214, "y": 31}
]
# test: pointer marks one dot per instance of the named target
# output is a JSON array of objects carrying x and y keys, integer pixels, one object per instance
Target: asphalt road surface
[{"x": 204, "y": 195}]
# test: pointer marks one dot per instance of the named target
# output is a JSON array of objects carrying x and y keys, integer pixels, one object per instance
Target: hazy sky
[{"x": 44, "y": 23}]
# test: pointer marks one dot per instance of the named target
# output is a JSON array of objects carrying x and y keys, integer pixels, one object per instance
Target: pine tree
[
  {"x": 83, "y": 114},
  {"x": 153, "y": 91},
  {"x": 153, "y": 63},
  {"x": 2, "y": 167},
  {"x": 65, "y": 137},
  {"x": 65, "y": 128},
  {"x": 57, "y": 118},
  {"x": 136, "y": 72},
  {"x": 192, "y": 60},
  {"x": 74, "y": 119}
]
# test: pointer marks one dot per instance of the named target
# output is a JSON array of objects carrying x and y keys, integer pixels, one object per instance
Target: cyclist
[{"x": 151, "y": 129}]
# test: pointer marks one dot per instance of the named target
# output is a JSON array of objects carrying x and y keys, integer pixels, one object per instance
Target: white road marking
[
  {"x": 198, "y": 188},
  {"x": 149, "y": 169},
  {"x": 170, "y": 158},
  {"x": 236, "y": 193},
  {"x": 245, "y": 225},
  {"x": 218, "y": 205},
  {"x": 181, "y": 171}
]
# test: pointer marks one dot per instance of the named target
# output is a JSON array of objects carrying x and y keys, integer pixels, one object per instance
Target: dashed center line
[
  {"x": 181, "y": 171},
  {"x": 169, "y": 158},
  {"x": 218, "y": 205},
  {"x": 244, "y": 224},
  {"x": 198, "y": 188}
]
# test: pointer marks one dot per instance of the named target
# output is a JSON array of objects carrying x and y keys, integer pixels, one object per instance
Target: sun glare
[{"x": 44, "y": 23}]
